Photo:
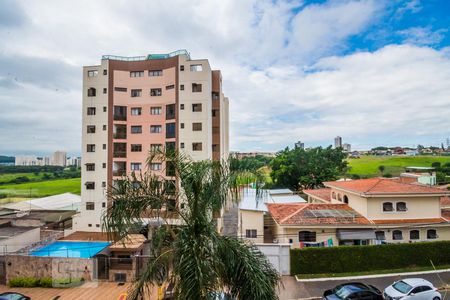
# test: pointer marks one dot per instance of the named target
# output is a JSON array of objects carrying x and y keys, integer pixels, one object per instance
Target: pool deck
[
  {"x": 86, "y": 236},
  {"x": 90, "y": 290}
]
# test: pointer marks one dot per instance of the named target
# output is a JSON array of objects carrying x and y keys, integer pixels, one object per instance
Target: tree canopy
[{"x": 303, "y": 169}]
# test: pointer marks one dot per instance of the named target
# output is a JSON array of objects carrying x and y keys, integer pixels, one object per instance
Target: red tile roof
[
  {"x": 315, "y": 214},
  {"x": 410, "y": 221},
  {"x": 445, "y": 201},
  {"x": 373, "y": 186},
  {"x": 323, "y": 194}
]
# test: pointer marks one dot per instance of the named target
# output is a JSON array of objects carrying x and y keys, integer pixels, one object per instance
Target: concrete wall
[
  {"x": 278, "y": 255},
  {"x": 19, "y": 241},
  {"x": 418, "y": 208},
  {"x": 322, "y": 235},
  {"x": 48, "y": 267},
  {"x": 249, "y": 219},
  {"x": 443, "y": 232}
]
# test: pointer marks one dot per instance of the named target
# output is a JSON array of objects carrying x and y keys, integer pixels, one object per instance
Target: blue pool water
[{"x": 71, "y": 249}]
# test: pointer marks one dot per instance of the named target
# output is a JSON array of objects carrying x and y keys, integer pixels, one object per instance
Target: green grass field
[
  {"x": 368, "y": 165},
  {"x": 43, "y": 188},
  {"x": 11, "y": 176}
]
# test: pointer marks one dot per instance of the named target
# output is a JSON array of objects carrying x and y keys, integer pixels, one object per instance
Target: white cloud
[{"x": 422, "y": 35}]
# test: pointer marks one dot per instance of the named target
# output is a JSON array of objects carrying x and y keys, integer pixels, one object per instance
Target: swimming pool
[{"x": 71, "y": 249}]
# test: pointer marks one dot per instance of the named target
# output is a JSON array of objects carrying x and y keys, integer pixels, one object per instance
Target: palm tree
[{"x": 194, "y": 257}]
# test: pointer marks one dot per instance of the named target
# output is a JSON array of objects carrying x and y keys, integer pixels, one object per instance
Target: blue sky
[{"x": 374, "y": 72}]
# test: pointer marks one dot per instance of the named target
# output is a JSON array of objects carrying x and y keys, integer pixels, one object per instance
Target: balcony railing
[{"x": 119, "y": 154}]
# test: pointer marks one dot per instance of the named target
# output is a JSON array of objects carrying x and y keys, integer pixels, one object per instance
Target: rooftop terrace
[{"x": 148, "y": 57}]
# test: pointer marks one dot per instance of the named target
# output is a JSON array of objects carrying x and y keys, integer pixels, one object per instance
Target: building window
[
  {"x": 104, "y": 127},
  {"x": 388, "y": 206},
  {"x": 181, "y": 106},
  {"x": 397, "y": 235},
  {"x": 181, "y": 68},
  {"x": 104, "y": 108},
  {"x": 136, "y": 93},
  {"x": 155, "y": 73},
  {"x": 196, "y": 68},
  {"x": 120, "y": 89},
  {"x": 251, "y": 233},
  {"x": 105, "y": 72},
  {"x": 379, "y": 235},
  {"x": 90, "y": 167},
  {"x": 345, "y": 199},
  {"x": 89, "y": 225},
  {"x": 170, "y": 111},
  {"x": 401, "y": 206},
  {"x": 105, "y": 90},
  {"x": 91, "y": 111},
  {"x": 196, "y": 146},
  {"x": 119, "y": 131},
  {"x": 136, "y": 129},
  {"x": 182, "y": 125},
  {"x": 170, "y": 130},
  {"x": 414, "y": 235},
  {"x": 97, "y": 225},
  {"x": 196, "y": 126},
  {"x": 155, "y": 147},
  {"x": 181, "y": 87},
  {"x": 307, "y": 236},
  {"x": 104, "y": 184},
  {"x": 156, "y": 110},
  {"x": 104, "y": 165},
  {"x": 137, "y": 74},
  {"x": 90, "y": 185},
  {"x": 91, "y": 92},
  {"x": 136, "y": 148},
  {"x": 90, "y": 148},
  {"x": 103, "y": 204},
  {"x": 182, "y": 145},
  {"x": 170, "y": 87},
  {"x": 92, "y": 73},
  {"x": 196, "y": 107},
  {"x": 155, "y": 129},
  {"x": 155, "y": 92},
  {"x": 136, "y": 111},
  {"x": 90, "y": 129},
  {"x": 104, "y": 146},
  {"x": 196, "y": 88},
  {"x": 155, "y": 166},
  {"x": 119, "y": 149},
  {"x": 432, "y": 234},
  {"x": 333, "y": 195},
  {"x": 90, "y": 205},
  {"x": 136, "y": 166},
  {"x": 120, "y": 113}
]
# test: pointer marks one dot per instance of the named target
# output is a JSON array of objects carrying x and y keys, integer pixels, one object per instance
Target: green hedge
[
  {"x": 366, "y": 258},
  {"x": 43, "y": 282}
]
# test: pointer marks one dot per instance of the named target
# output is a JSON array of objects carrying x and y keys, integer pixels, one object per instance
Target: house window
[
  {"x": 104, "y": 184},
  {"x": 90, "y": 129},
  {"x": 181, "y": 87},
  {"x": 90, "y": 185},
  {"x": 90, "y": 167},
  {"x": 155, "y": 147},
  {"x": 251, "y": 233},
  {"x": 156, "y": 110},
  {"x": 401, "y": 206},
  {"x": 196, "y": 107},
  {"x": 170, "y": 111},
  {"x": 90, "y": 205},
  {"x": 182, "y": 125},
  {"x": 90, "y": 148},
  {"x": 155, "y": 73},
  {"x": 379, "y": 235},
  {"x": 170, "y": 87},
  {"x": 345, "y": 199},
  {"x": 414, "y": 235},
  {"x": 120, "y": 89},
  {"x": 182, "y": 145},
  {"x": 137, "y": 74},
  {"x": 307, "y": 236},
  {"x": 91, "y": 111},
  {"x": 170, "y": 130},
  {"x": 431, "y": 234},
  {"x": 136, "y": 129},
  {"x": 196, "y": 68},
  {"x": 89, "y": 225},
  {"x": 105, "y": 72},
  {"x": 104, "y": 108},
  {"x": 155, "y": 166},
  {"x": 105, "y": 90},
  {"x": 388, "y": 206},
  {"x": 155, "y": 129},
  {"x": 181, "y": 106},
  {"x": 136, "y": 148},
  {"x": 104, "y": 165},
  {"x": 104, "y": 146},
  {"x": 397, "y": 235},
  {"x": 196, "y": 87},
  {"x": 92, "y": 73},
  {"x": 136, "y": 111},
  {"x": 103, "y": 204},
  {"x": 136, "y": 166},
  {"x": 136, "y": 93},
  {"x": 91, "y": 92},
  {"x": 104, "y": 127},
  {"x": 196, "y": 146},
  {"x": 181, "y": 68},
  {"x": 155, "y": 92},
  {"x": 196, "y": 126}
]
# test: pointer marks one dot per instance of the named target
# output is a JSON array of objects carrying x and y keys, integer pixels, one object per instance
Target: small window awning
[{"x": 355, "y": 234}]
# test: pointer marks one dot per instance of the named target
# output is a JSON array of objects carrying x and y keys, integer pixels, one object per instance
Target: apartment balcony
[
  {"x": 119, "y": 131},
  {"x": 120, "y": 150},
  {"x": 119, "y": 168}
]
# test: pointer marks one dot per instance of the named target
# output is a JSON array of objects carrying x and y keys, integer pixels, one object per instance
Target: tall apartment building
[
  {"x": 338, "y": 142},
  {"x": 59, "y": 158},
  {"x": 132, "y": 105}
]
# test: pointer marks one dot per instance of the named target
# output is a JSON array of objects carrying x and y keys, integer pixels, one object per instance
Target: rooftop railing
[{"x": 148, "y": 57}]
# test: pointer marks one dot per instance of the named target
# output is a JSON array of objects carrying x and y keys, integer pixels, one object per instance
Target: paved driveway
[{"x": 297, "y": 290}]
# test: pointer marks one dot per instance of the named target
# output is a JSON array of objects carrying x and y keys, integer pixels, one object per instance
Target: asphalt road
[{"x": 298, "y": 290}]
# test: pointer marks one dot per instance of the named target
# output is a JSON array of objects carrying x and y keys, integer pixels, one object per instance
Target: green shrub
[
  {"x": 31, "y": 282},
  {"x": 46, "y": 282},
  {"x": 367, "y": 258}
]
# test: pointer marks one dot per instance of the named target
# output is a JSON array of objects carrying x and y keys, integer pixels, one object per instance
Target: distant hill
[{"x": 7, "y": 159}]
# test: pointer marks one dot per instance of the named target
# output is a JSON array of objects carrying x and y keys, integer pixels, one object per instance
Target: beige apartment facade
[{"x": 133, "y": 105}]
